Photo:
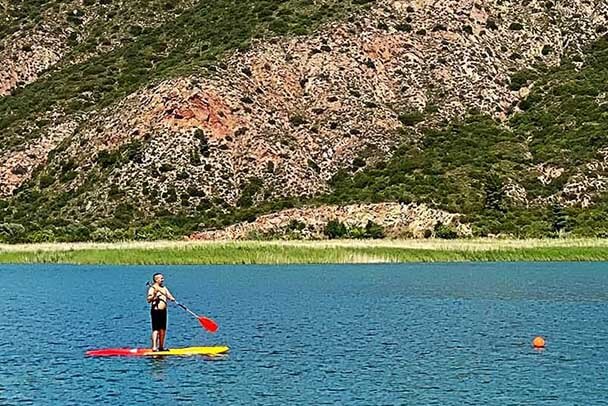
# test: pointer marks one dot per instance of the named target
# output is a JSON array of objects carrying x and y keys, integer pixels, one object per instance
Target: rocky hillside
[
  {"x": 122, "y": 113},
  {"x": 392, "y": 220},
  {"x": 37, "y": 35}
]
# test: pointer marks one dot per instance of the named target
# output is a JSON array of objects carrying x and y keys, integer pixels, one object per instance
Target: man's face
[{"x": 160, "y": 279}]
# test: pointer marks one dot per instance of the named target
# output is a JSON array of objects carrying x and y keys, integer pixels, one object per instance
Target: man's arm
[
  {"x": 151, "y": 295},
  {"x": 170, "y": 296}
]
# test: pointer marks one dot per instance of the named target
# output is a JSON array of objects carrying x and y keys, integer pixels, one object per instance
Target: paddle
[{"x": 205, "y": 322}]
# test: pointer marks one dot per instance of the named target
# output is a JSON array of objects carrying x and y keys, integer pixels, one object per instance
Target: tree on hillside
[
  {"x": 494, "y": 193},
  {"x": 560, "y": 220},
  {"x": 335, "y": 229}
]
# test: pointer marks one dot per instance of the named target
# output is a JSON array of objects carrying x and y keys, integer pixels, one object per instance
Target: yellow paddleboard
[{"x": 144, "y": 352}]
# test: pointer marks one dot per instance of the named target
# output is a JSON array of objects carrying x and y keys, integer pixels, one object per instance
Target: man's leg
[
  {"x": 161, "y": 338},
  {"x": 155, "y": 337}
]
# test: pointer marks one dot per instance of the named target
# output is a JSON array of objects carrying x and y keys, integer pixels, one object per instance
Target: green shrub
[
  {"x": 335, "y": 229},
  {"x": 516, "y": 27},
  {"x": 45, "y": 181},
  {"x": 41, "y": 236},
  {"x": 166, "y": 167},
  {"x": 11, "y": 232},
  {"x": 358, "y": 163},
  {"x": 411, "y": 119},
  {"x": 193, "y": 191},
  {"x": 252, "y": 187},
  {"x": 296, "y": 225},
  {"x": 445, "y": 232},
  {"x": 313, "y": 165},
  {"x": 521, "y": 78},
  {"x": 170, "y": 195},
  {"x": 297, "y": 120},
  {"x": 356, "y": 233},
  {"x": 404, "y": 27},
  {"x": 108, "y": 159},
  {"x": 373, "y": 230}
]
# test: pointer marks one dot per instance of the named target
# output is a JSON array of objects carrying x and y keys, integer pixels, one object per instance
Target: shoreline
[{"x": 306, "y": 252}]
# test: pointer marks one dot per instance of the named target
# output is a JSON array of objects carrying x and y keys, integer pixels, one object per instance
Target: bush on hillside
[
  {"x": 11, "y": 232},
  {"x": 445, "y": 232},
  {"x": 335, "y": 229},
  {"x": 373, "y": 230},
  {"x": 411, "y": 119}
]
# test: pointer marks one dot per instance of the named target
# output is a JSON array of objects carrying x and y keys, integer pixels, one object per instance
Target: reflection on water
[
  {"x": 446, "y": 334},
  {"x": 157, "y": 368}
]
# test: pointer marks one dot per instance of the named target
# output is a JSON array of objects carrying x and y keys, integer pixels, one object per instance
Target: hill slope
[{"x": 162, "y": 126}]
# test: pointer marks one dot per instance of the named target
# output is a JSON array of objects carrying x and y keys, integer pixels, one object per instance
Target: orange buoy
[{"x": 538, "y": 342}]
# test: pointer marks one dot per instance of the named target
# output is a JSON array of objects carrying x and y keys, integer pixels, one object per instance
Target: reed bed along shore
[{"x": 307, "y": 252}]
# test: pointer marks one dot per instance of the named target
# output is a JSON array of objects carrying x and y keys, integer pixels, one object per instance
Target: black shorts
[{"x": 159, "y": 319}]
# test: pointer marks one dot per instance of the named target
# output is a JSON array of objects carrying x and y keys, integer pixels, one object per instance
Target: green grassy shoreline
[{"x": 306, "y": 252}]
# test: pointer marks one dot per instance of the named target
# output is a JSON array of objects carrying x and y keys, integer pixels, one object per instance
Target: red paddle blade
[{"x": 208, "y": 324}]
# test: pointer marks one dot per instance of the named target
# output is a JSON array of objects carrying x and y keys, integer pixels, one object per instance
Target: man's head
[{"x": 158, "y": 278}]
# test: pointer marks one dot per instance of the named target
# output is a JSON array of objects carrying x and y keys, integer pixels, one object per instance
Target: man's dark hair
[{"x": 154, "y": 276}]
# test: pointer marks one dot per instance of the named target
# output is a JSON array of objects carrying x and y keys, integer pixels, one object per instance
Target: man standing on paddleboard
[{"x": 158, "y": 294}]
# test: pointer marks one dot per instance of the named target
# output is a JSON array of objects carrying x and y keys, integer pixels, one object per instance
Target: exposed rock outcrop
[
  {"x": 397, "y": 220},
  {"x": 24, "y": 57},
  {"x": 16, "y": 167}
]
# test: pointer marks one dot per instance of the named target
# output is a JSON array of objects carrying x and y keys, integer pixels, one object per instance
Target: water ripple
[{"x": 440, "y": 334}]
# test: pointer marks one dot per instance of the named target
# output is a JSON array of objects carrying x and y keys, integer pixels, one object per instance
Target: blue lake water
[{"x": 432, "y": 334}]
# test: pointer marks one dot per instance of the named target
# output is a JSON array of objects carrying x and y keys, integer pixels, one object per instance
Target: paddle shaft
[{"x": 196, "y": 316}]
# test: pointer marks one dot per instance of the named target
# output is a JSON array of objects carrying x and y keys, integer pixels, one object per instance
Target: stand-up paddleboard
[{"x": 147, "y": 352}]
